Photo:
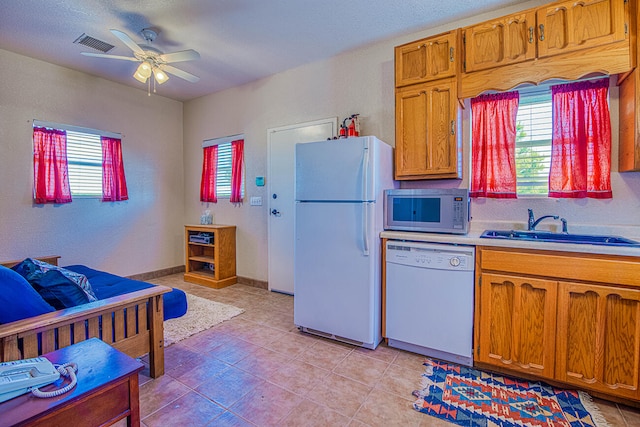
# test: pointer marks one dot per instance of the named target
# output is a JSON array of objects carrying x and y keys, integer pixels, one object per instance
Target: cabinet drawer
[{"x": 563, "y": 265}]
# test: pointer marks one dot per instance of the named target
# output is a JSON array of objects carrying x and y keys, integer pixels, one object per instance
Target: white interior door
[{"x": 281, "y": 184}]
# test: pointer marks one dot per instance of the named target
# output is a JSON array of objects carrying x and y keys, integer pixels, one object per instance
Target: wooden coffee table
[{"x": 107, "y": 391}]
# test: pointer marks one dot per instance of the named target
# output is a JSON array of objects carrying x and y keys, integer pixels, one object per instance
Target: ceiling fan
[{"x": 153, "y": 62}]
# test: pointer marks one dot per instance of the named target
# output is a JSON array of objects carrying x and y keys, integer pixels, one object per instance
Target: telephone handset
[{"x": 20, "y": 376}]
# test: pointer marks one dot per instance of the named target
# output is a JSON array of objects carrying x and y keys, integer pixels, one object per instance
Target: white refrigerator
[{"x": 338, "y": 219}]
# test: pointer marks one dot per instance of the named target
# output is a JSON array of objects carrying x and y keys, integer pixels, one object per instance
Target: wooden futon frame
[{"x": 131, "y": 323}]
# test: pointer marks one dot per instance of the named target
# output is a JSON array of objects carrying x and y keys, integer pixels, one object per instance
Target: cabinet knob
[
  {"x": 530, "y": 34},
  {"x": 541, "y": 32}
]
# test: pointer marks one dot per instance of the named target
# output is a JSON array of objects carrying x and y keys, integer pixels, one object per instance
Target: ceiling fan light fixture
[
  {"x": 143, "y": 72},
  {"x": 160, "y": 75}
]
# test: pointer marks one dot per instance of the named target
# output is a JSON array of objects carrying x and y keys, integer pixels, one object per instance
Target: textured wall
[{"x": 142, "y": 234}]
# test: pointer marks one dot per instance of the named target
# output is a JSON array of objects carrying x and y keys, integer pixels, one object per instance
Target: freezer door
[
  {"x": 336, "y": 170},
  {"x": 336, "y": 272}
]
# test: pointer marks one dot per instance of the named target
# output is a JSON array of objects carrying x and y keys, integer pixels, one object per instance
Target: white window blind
[
  {"x": 84, "y": 158},
  {"x": 533, "y": 143},
  {"x": 223, "y": 171}
]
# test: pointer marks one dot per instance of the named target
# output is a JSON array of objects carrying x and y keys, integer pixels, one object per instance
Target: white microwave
[{"x": 427, "y": 210}]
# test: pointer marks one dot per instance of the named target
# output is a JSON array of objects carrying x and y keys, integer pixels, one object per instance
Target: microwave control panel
[{"x": 459, "y": 211}]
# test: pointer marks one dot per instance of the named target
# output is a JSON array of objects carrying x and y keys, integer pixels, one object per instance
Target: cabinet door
[
  {"x": 502, "y": 41},
  {"x": 426, "y": 131},
  {"x": 598, "y": 338},
  {"x": 569, "y": 26},
  {"x": 427, "y": 59},
  {"x": 517, "y": 323}
]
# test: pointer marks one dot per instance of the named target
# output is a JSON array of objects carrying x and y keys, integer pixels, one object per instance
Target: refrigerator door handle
[
  {"x": 365, "y": 228},
  {"x": 365, "y": 171}
]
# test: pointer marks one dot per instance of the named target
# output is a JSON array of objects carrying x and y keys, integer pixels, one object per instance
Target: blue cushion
[
  {"x": 59, "y": 287},
  {"x": 18, "y": 300},
  {"x": 107, "y": 285}
]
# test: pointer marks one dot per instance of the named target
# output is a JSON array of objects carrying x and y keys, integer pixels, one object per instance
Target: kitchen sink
[{"x": 547, "y": 236}]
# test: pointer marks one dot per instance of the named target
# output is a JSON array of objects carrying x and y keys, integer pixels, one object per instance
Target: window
[
  {"x": 84, "y": 159},
  {"x": 533, "y": 143},
  {"x": 219, "y": 164},
  {"x": 92, "y": 167}
]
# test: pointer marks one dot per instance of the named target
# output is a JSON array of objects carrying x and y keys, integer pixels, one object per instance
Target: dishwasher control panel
[{"x": 431, "y": 255}]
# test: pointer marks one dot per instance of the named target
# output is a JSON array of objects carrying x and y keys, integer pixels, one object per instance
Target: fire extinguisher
[
  {"x": 343, "y": 131},
  {"x": 351, "y": 131},
  {"x": 354, "y": 127}
]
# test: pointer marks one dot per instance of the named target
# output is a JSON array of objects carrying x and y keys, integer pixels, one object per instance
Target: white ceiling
[{"x": 239, "y": 40}]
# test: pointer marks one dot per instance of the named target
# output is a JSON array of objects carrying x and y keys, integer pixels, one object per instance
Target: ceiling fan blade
[
  {"x": 179, "y": 73},
  {"x": 183, "y": 55},
  {"x": 124, "y": 38},
  {"x": 102, "y": 55}
]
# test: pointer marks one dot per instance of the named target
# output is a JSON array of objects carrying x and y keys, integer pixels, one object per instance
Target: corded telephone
[{"x": 20, "y": 376}]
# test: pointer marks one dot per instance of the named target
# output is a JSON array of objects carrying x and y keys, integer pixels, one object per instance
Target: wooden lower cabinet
[
  {"x": 598, "y": 338},
  {"x": 518, "y": 321},
  {"x": 573, "y": 319}
]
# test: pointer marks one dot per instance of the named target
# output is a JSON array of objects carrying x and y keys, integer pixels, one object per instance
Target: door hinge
[
  {"x": 453, "y": 127},
  {"x": 626, "y": 28}
]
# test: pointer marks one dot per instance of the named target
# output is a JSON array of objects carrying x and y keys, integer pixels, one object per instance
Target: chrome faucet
[{"x": 531, "y": 225}]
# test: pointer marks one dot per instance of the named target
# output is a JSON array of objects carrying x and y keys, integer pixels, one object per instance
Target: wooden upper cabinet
[
  {"x": 502, "y": 41},
  {"x": 598, "y": 345},
  {"x": 427, "y": 131},
  {"x": 575, "y": 25},
  {"x": 427, "y": 59}
]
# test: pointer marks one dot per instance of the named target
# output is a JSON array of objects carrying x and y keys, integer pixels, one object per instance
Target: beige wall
[
  {"x": 140, "y": 235},
  {"x": 357, "y": 82}
]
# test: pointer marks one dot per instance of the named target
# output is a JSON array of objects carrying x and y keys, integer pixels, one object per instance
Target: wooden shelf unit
[{"x": 211, "y": 264}]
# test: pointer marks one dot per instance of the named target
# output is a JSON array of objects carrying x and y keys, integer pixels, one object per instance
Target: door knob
[{"x": 275, "y": 212}]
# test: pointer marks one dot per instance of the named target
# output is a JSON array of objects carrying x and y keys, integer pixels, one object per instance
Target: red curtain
[
  {"x": 50, "y": 171},
  {"x": 237, "y": 168},
  {"x": 114, "y": 184},
  {"x": 208, "y": 180},
  {"x": 493, "y": 161},
  {"x": 581, "y": 144}
]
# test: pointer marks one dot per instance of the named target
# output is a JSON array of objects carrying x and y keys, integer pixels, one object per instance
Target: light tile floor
[{"x": 257, "y": 369}]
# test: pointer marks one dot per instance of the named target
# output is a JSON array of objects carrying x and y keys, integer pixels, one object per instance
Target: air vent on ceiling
[{"x": 96, "y": 44}]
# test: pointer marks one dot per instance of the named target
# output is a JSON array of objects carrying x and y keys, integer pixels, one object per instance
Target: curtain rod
[
  {"x": 221, "y": 140},
  {"x": 91, "y": 131}
]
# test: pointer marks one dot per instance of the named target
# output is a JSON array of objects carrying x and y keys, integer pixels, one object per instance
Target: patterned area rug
[
  {"x": 468, "y": 397},
  {"x": 201, "y": 314}
]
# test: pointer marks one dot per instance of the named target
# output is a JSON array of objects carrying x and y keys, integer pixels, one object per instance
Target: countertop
[{"x": 478, "y": 227}]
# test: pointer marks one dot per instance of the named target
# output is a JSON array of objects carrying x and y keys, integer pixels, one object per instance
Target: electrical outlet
[{"x": 256, "y": 201}]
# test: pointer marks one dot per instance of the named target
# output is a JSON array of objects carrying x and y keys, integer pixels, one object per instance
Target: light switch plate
[{"x": 256, "y": 201}]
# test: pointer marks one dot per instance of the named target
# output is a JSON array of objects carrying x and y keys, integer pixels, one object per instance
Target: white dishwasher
[{"x": 429, "y": 299}]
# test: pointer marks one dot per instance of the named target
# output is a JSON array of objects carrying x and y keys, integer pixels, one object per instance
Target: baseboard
[
  {"x": 158, "y": 273},
  {"x": 261, "y": 284}
]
